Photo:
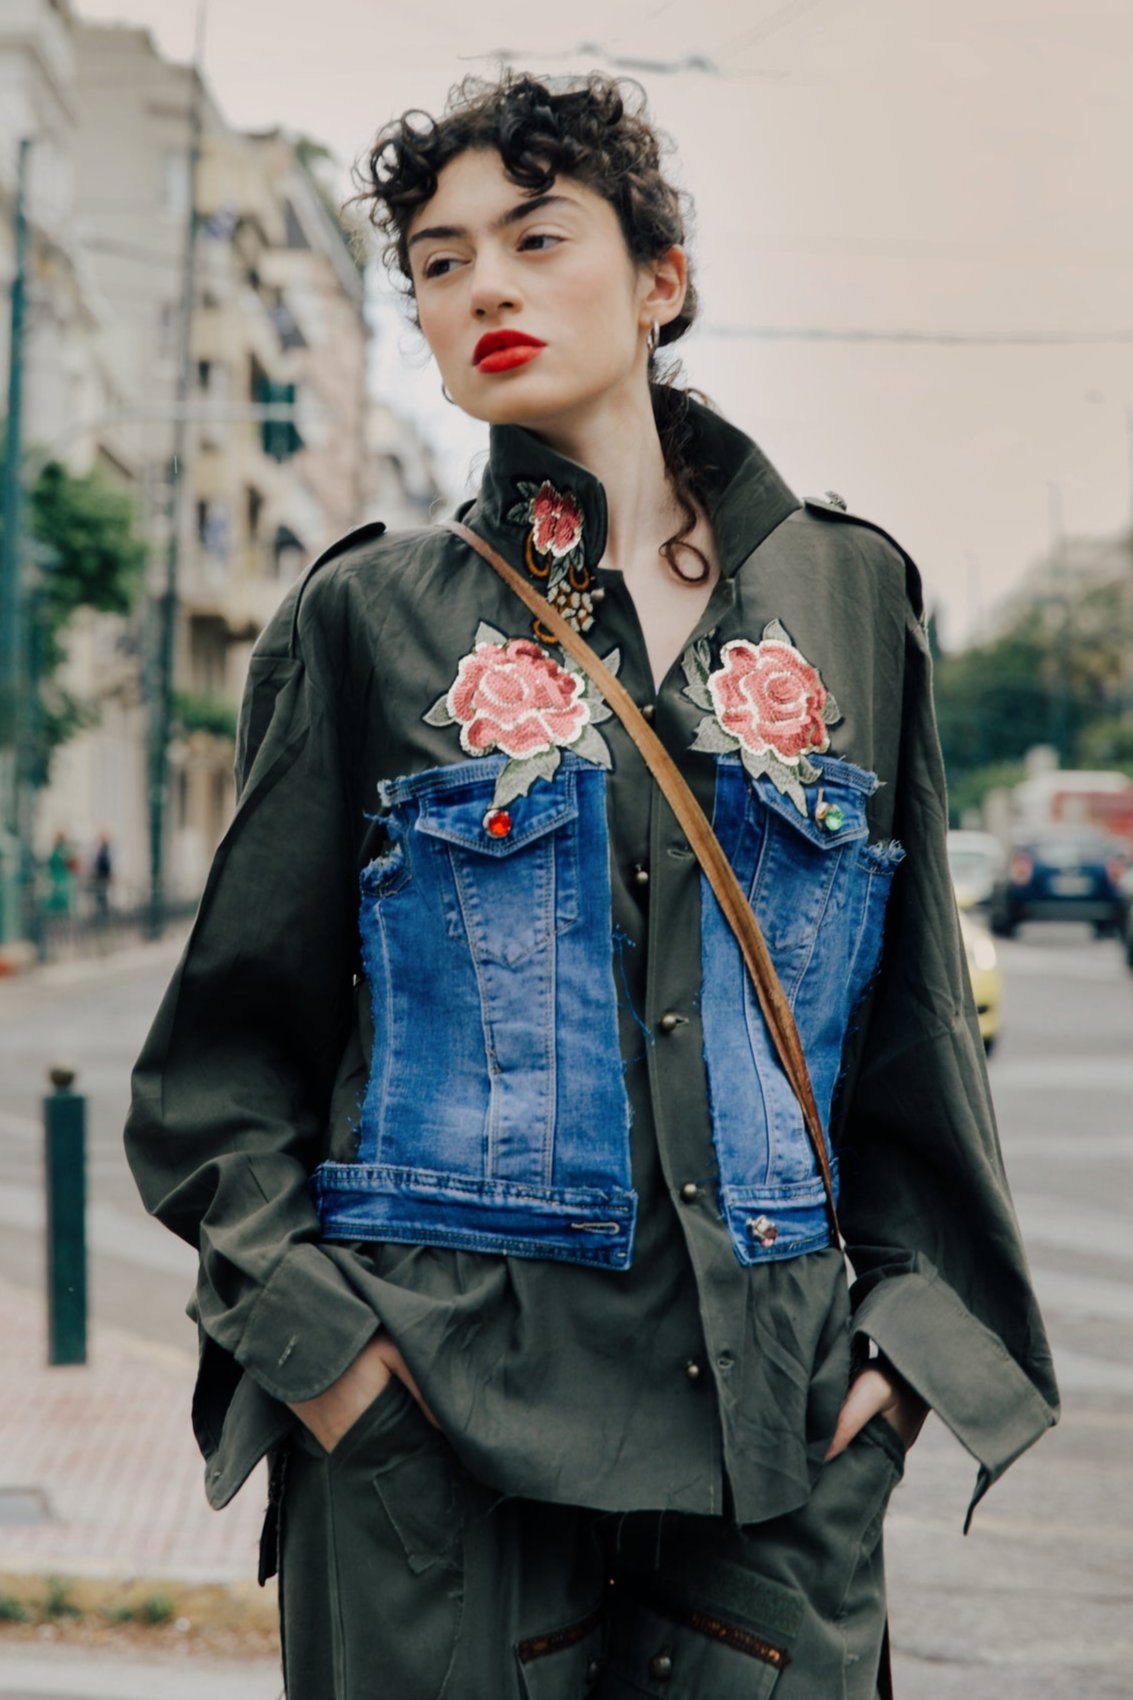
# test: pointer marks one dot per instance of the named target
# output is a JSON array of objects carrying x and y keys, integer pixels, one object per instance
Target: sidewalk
[
  {"x": 69, "y": 1673},
  {"x": 99, "y": 1474}
]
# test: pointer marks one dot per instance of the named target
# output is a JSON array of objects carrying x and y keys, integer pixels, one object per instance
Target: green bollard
[{"x": 64, "y": 1123}]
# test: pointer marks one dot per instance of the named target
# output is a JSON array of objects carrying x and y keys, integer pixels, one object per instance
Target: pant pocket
[
  {"x": 395, "y": 1519},
  {"x": 681, "y": 1652},
  {"x": 563, "y": 1664}
]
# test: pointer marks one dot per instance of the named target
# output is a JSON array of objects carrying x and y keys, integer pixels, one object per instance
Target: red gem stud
[{"x": 497, "y": 823}]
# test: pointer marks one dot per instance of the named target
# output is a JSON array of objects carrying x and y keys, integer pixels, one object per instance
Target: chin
[{"x": 537, "y": 406}]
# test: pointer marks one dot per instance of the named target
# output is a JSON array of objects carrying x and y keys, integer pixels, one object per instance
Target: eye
[
  {"x": 435, "y": 266},
  {"x": 533, "y": 236}
]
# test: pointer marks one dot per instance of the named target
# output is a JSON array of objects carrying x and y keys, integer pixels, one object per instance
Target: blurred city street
[{"x": 1041, "y": 1588}]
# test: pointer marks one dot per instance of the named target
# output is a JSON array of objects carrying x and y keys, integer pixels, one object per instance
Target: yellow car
[{"x": 987, "y": 977}]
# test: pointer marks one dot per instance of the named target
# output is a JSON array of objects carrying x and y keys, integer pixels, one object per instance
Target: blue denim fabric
[
  {"x": 496, "y": 1116},
  {"x": 820, "y": 899}
]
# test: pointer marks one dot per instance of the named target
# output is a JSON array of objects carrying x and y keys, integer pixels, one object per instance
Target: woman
[{"x": 514, "y": 1253}]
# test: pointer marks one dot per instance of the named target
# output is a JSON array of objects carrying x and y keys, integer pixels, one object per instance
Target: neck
[{"x": 617, "y": 440}]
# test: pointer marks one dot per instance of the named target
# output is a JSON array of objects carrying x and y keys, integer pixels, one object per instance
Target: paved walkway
[
  {"x": 69, "y": 1673},
  {"x": 99, "y": 1471}
]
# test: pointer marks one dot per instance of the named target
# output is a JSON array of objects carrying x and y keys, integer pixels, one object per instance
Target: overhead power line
[{"x": 986, "y": 339}]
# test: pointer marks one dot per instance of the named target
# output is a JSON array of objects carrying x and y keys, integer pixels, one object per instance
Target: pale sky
[{"x": 940, "y": 168}]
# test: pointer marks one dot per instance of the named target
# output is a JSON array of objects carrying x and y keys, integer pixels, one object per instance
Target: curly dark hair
[{"x": 594, "y": 130}]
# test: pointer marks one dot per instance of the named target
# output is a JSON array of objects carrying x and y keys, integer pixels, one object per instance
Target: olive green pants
[{"x": 403, "y": 1578}]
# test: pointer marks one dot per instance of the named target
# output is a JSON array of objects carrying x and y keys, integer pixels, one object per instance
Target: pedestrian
[
  {"x": 102, "y": 875},
  {"x": 517, "y": 1247},
  {"x": 62, "y": 868}
]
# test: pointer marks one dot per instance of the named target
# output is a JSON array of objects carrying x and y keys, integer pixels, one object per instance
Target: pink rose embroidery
[
  {"x": 769, "y": 698},
  {"x": 765, "y": 701},
  {"x": 557, "y": 521},
  {"x": 514, "y": 697},
  {"x": 510, "y": 695}
]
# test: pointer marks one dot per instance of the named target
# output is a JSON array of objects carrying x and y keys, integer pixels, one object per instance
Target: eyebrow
[{"x": 513, "y": 216}]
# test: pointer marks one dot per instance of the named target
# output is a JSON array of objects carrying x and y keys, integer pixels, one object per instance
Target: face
[{"x": 532, "y": 306}]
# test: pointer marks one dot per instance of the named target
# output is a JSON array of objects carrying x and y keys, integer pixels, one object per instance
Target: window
[
  {"x": 175, "y": 183},
  {"x": 169, "y": 330}
]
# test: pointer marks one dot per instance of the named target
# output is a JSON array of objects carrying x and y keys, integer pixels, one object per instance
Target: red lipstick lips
[{"x": 499, "y": 351}]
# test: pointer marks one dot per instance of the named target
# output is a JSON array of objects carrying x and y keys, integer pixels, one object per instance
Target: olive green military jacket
[{"x": 688, "y": 1378}]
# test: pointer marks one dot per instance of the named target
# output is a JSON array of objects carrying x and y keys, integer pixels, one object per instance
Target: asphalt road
[{"x": 1040, "y": 1594}]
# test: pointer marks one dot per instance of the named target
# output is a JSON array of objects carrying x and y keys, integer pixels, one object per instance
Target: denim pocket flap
[
  {"x": 835, "y": 803},
  {"x": 461, "y": 815}
]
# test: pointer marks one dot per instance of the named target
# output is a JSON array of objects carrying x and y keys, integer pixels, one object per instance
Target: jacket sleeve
[
  {"x": 941, "y": 1285},
  {"x": 231, "y": 1089}
]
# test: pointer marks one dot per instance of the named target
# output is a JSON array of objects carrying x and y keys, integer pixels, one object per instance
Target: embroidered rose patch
[
  {"x": 765, "y": 701},
  {"x": 510, "y": 695},
  {"x": 554, "y": 551}
]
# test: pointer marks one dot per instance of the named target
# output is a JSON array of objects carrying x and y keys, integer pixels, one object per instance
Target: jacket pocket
[
  {"x": 819, "y": 891},
  {"x": 510, "y": 876},
  {"x": 563, "y": 1664},
  {"x": 681, "y": 1652}
]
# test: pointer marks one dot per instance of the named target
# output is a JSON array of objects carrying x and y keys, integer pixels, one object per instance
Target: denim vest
[{"x": 496, "y": 1117}]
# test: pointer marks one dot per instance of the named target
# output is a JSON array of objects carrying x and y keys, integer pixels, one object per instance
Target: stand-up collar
[{"x": 542, "y": 509}]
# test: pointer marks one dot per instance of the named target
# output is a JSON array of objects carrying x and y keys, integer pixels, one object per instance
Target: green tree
[
  {"x": 82, "y": 532},
  {"x": 1052, "y": 677}
]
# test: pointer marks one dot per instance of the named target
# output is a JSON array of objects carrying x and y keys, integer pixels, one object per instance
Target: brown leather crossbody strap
[{"x": 691, "y": 818}]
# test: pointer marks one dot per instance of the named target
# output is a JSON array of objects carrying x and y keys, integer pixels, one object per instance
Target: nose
[{"x": 494, "y": 288}]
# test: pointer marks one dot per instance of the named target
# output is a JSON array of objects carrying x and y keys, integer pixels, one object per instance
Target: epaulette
[
  {"x": 361, "y": 534},
  {"x": 833, "y": 506}
]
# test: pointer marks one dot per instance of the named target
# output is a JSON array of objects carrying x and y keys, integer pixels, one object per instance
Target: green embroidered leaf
[
  {"x": 784, "y": 777},
  {"x": 613, "y": 660},
  {"x": 830, "y": 710},
  {"x": 517, "y": 778},
  {"x": 591, "y": 746},
  {"x": 808, "y": 773},
  {"x": 439, "y": 714},
  {"x": 488, "y": 634},
  {"x": 776, "y": 630},
  {"x": 712, "y": 740},
  {"x": 696, "y": 664}
]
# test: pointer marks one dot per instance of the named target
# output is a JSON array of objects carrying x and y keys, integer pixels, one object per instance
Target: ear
[{"x": 666, "y": 283}]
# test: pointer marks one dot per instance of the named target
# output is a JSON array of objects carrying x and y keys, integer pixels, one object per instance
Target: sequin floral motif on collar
[
  {"x": 510, "y": 695},
  {"x": 553, "y": 552},
  {"x": 765, "y": 701}
]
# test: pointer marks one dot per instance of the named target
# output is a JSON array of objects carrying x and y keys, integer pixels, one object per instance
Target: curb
[{"x": 22, "y": 972}]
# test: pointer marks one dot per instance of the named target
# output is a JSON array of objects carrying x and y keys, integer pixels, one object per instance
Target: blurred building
[
  {"x": 73, "y": 369},
  {"x": 277, "y": 319},
  {"x": 402, "y": 486}
]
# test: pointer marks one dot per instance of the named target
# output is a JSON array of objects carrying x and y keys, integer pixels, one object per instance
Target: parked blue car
[{"x": 1060, "y": 874}]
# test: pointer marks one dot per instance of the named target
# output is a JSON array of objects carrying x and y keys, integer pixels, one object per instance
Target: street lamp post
[{"x": 10, "y": 596}]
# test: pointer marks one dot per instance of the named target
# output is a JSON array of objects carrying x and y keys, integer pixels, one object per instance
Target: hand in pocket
[{"x": 331, "y": 1413}]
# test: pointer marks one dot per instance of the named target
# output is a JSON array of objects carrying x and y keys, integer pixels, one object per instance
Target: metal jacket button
[
  {"x": 640, "y": 875},
  {"x": 647, "y": 711},
  {"x": 690, "y": 1192},
  {"x": 668, "y": 1021},
  {"x": 692, "y": 1370},
  {"x": 661, "y": 1667}
]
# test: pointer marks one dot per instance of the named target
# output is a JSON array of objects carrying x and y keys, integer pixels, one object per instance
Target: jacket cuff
[
  {"x": 959, "y": 1367},
  {"x": 306, "y": 1327}
]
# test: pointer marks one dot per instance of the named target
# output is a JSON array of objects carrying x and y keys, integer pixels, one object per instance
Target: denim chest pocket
[
  {"x": 819, "y": 889},
  {"x": 508, "y": 894},
  {"x": 807, "y": 868}
]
